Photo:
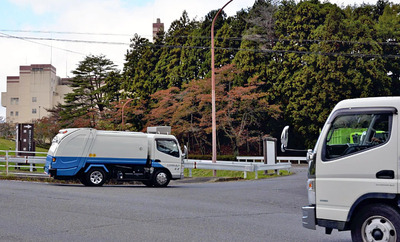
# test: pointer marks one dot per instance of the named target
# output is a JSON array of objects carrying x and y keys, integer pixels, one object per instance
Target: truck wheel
[
  {"x": 95, "y": 177},
  {"x": 378, "y": 222},
  {"x": 82, "y": 179},
  {"x": 148, "y": 183},
  {"x": 160, "y": 179}
]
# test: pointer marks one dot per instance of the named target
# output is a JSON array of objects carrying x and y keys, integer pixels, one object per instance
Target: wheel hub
[
  {"x": 161, "y": 178},
  {"x": 377, "y": 234},
  {"x": 378, "y": 228},
  {"x": 96, "y": 177}
]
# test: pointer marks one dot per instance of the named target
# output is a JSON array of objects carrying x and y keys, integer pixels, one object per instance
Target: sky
[{"x": 90, "y": 20}]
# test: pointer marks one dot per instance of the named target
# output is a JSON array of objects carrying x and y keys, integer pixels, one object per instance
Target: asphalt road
[{"x": 262, "y": 210}]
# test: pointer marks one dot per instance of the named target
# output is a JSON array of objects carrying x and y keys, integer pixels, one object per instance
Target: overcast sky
[{"x": 120, "y": 18}]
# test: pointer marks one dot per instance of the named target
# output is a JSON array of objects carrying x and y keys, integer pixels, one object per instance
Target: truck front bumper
[{"x": 309, "y": 217}]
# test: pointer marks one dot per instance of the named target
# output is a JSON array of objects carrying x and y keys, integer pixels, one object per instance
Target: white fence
[{"x": 11, "y": 159}]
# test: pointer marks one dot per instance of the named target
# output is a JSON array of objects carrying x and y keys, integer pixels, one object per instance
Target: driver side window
[
  {"x": 351, "y": 133},
  {"x": 168, "y": 147}
]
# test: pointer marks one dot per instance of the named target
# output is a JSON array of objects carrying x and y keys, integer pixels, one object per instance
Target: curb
[{"x": 46, "y": 178}]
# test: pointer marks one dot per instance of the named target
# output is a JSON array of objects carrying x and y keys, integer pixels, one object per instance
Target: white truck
[
  {"x": 353, "y": 174},
  {"x": 96, "y": 156}
]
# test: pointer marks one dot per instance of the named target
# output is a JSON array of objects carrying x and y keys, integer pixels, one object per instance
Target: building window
[
  {"x": 34, "y": 99},
  {"x": 14, "y": 101},
  {"x": 16, "y": 113},
  {"x": 11, "y": 113},
  {"x": 33, "y": 110}
]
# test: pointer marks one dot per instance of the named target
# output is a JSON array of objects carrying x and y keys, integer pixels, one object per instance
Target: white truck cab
[{"x": 353, "y": 174}]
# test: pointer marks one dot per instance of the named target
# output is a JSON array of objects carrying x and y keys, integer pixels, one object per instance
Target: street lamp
[{"x": 214, "y": 122}]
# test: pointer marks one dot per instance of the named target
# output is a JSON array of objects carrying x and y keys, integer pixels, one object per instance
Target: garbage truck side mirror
[{"x": 284, "y": 138}]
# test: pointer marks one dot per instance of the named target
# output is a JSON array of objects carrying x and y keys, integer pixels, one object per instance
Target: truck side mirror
[{"x": 284, "y": 138}]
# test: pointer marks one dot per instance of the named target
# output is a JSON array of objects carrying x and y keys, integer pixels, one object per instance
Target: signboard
[{"x": 25, "y": 140}]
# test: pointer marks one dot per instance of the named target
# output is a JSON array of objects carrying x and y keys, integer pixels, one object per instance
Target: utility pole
[{"x": 214, "y": 122}]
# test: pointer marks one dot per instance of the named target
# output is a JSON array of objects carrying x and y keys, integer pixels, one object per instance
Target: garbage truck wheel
[
  {"x": 161, "y": 178},
  {"x": 148, "y": 183},
  {"x": 95, "y": 177},
  {"x": 83, "y": 180}
]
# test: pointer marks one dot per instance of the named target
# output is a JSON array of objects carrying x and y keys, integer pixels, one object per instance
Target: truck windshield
[
  {"x": 352, "y": 133},
  {"x": 169, "y": 147}
]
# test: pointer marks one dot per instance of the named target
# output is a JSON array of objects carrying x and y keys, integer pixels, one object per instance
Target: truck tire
[
  {"x": 375, "y": 223},
  {"x": 148, "y": 183},
  {"x": 161, "y": 178},
  {"x": 95, "y": 177},
  {"x": 82, "y": 179}
]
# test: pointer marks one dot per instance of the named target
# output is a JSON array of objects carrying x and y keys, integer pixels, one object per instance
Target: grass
[
  {"x": 38, "y": 168},
  {"x": 235, "y": 174},
  {"x": 10, "y": 145}
]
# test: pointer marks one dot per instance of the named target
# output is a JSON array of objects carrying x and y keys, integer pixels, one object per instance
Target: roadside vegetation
[
  {"x": 235, "y": 175},
  {"x": 278, "y": 62},
  {"x": 10, "y": 146}
]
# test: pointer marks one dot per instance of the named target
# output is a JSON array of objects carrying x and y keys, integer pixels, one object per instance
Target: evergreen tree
[
  {"x": 172, "y": 58},
  {"x": 87, "y": 100},
  {"x": 139, "y": 65}
]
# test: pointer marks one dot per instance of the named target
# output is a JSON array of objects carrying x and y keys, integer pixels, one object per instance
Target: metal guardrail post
[
  {"x": 6, "y": 162},
  {"x": 30, "y": 165}
]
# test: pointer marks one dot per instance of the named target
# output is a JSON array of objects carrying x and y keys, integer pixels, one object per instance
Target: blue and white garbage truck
[{"x": 96, "y": 156}]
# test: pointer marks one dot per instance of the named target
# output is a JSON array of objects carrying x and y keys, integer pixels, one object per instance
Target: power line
[
  {"x": 270, "y": 51},
  {"x": 219, "y": 48},
  {"x": 61, "y": 32},
  {"x": 256, "y": 38},
  {"x": 263, "y": 38},
  {"x": 69, "y": 40},
  {"x": 3, "y": 35}
]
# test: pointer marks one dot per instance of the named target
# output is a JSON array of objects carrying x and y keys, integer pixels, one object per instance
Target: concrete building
[
  {"x": 158, "y": 26},
  {"x": 36, "y": 89}
]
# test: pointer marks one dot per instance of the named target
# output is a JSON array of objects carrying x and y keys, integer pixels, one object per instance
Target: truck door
[
  {"x": 358, "y": 159},
  {"x": 168, "y": 155}
]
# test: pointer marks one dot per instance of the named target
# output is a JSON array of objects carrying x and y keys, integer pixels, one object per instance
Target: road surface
[{"x": 260, "y": 210}]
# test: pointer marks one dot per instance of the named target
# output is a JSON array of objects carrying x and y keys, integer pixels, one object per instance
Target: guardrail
[
  {"x": 244, "y": 163},
  {"x": 11, "y": 159},
  {"x": 279, "y": 158},
  {"x": 234, "y": 166}
]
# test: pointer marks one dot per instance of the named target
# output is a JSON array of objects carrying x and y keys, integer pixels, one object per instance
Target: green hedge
[{"x": 209, "y": 157}]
